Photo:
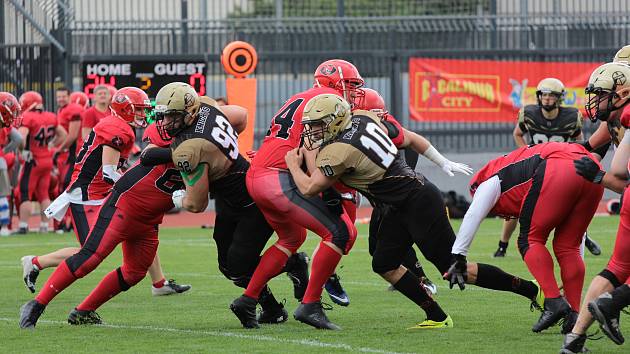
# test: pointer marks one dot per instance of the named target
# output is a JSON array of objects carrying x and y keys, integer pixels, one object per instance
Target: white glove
[
  {"x": 178, "y": 198},
  {"x": 27, "y": 156},
  {"x": 449, "y": 167}
]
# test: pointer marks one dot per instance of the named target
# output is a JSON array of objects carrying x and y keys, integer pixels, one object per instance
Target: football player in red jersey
[
  {"x": 106, "y": 148},
  {"x": 527, "y": 184},
  {"x": 608, "y": 96},
  {"x": 288, "y": 211},
  {"x": 40, "y": 131},
  {"x": 405, "y": 139},
  {"x": 91, "y": 116},
  {"x": 130, "y": 215},
  {"x": 9, "y": 140}
]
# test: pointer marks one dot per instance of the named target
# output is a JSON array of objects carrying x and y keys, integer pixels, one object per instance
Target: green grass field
[{"x": 200, "y": 321}]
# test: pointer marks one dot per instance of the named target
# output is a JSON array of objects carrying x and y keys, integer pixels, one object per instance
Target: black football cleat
[
  {"x": 568, "y": 322},
  {"x": 297, "y": 271},
  {"x": 244, "y": 308},
  {"x": 602, "y": 311},
  {"x": 336, "y": 292},
  {"x": 84, "y": 317},
  {"x": 273, "y": 314},
  {"x": 500, "y": 252},
  {"x": 554, "y": 310},
  {"x": 574, "y": 344},
  {"x": 592, "y": 246},
  {"x": 313, "y": 314},
  {"x": 30, "y": 313}
]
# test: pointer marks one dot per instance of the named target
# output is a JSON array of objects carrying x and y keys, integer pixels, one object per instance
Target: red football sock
[
  {"x": 324, "y": 263},
  {"x": 160, "y": 283},
  {"x": 60, "y": 279},
  {"x": 105, "y": 290},
  {"x": 540, "y": 264},
  {"x": 572, "y": 274},
  {"x": 271, "y": 264},
  {"x": 35, "y": 262}
]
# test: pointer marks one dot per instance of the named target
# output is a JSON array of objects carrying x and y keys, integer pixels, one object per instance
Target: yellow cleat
[
  {"x": 539, "y": 300},
  {"x": 430, "y": 324}
]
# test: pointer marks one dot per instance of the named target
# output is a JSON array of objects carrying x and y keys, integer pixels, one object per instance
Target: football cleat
[
  {"x": 592, "y": 246},
  {"x": 29, "y": 272},
  {"x": 84, "y": 317},
  {"x": 22, "y": 231},
  {"x": 313, "y": 315},
  {"x": 539, "y": 301},
  {"x": 273, "y": 314},
  {"x": 336, "y": 292},
  {"x": 574, "y": 344},
  {"x": 554, "y": 310},
  {"x": 297, "y": 271},
  {"x": 500, "y": 252},
  {"x": 30, "y": 313},
  {"x": 428, "y": 285},
  {"x": 601, "y": 309},
  {"x": 170, "y": 287},
  {"x": 244, "y": 308},
  {"x": 430, "y": 324},
  {"x": 568, "y": 322}
]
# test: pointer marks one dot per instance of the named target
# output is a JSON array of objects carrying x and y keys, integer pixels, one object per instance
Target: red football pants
[
  {"x": 619, "y": 263},
  {"x": 562, "y": 200}
]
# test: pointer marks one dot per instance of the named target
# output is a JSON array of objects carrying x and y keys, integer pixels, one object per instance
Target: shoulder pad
[
  {"x": 207, "y": 100},
  {"x": 115, "y": 133}
]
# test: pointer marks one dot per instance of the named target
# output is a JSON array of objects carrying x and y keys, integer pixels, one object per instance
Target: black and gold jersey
[
  {"x": 364, "y": 158},
  {"x": 211, "y": 140},
  {"x": 565, "y": 127}
]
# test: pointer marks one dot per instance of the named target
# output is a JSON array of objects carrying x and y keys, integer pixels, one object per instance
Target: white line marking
[{"x": 264, "y": 338}]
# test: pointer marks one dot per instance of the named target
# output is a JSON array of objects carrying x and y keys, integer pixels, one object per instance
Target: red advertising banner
[{"x": 448, "y": 90}]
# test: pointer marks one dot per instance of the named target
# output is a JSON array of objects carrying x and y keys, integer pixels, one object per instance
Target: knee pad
[
  {"x": 381, "y": 265},
  {"x": 611, "y": 277},
  {"x": 121, "y": 280}
]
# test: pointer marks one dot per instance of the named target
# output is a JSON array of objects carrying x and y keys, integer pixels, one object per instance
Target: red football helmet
[
  {"x": 372, "y": 101},
  {"x": 342, "y": 76},
  {"x": 79, "y": 98},
  {"x": 131, "y": 105},
  {"x": 31, "y": 100},
  {"x": 9, "y": 109}
]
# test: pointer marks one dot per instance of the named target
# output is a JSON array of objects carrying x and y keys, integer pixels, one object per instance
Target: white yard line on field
[{"x": 258, "y": 338}]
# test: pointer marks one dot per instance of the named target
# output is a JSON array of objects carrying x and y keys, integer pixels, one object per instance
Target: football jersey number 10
[
  {"x": 379, "y": 143},
  {"x": 225, "y": 135}
]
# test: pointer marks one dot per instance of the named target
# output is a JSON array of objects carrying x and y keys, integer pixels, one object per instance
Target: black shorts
[
  {"x": 241, "y": 234},
  {"x": 423, "y": 221}
]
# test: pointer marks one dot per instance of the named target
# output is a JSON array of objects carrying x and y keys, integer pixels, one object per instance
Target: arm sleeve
[
  {"x": 15, "y": 140},
  {"x": 156, "y": 156},
  {"x": 484, "y": 200}
]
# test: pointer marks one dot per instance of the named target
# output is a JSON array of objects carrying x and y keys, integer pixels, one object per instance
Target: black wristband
[{"x": 587, "y": 146}]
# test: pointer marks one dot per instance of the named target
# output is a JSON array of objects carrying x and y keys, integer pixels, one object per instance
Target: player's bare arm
[
  {"x": 518, "y": 135},
  {"x": 309, "y": 186},
  {"x": 60, "y": 135},
  {"x": 236, "y": 115},
  {"x": 197, "y": 188}
]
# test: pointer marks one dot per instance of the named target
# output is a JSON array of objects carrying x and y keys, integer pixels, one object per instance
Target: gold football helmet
[
  {"x": 176, "y": 106},
  {"x": 608, "y": 90},
  {"x": 324, "y": 117},
  {"x": 553, "y": 86},
  {"x": 623, "y": 55}
]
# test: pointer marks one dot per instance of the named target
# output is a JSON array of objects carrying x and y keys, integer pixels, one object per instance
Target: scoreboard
[{"x": 148, "y": 75}]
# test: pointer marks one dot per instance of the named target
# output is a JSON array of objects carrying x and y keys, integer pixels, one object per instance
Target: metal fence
[
  {"x": 27, "y": 67},
  {"x": 292, "y": 37}
]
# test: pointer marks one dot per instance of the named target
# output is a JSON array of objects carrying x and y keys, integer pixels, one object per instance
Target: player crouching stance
[
  {"x": 355, "y": 149},
  {"x": 129, "y": 215}
]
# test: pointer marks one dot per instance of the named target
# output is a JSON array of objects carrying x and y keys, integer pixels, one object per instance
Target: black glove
[
  {"x": 332, "y": 198},
  {"x": 589, "y": 169},
  {"x": 457, "y": 273}
]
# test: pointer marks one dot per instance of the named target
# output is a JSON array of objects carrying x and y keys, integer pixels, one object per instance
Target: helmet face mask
[
  {"x": 169, "y": 123},
  {"x": 10, "y": 112},
  {"x": 546, "y": 90},
  {"x": 324, "y": 117},
  {"x": 131, "y": 104},
  {"x": 316, "y": 133},
  {"x": 176, "y": 107},
  {"x": 608, "y": 90}
]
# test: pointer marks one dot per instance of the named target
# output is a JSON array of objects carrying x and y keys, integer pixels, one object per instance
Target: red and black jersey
[
  {"x": 516, "y": 170},
  {"x": 41, "y": 131},
  {"x": 144, "y": 192},
  {"x": 88, "y": 168},
  {"x": 285, "y": 132},
  {"x": 91, "y": 116},
  {"x": 394, "y": 130},
  {"x": 68, "y": 113}
]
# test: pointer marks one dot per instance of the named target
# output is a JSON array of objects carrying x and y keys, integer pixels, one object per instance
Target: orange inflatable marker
[{"x": 239, "y": 59}]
